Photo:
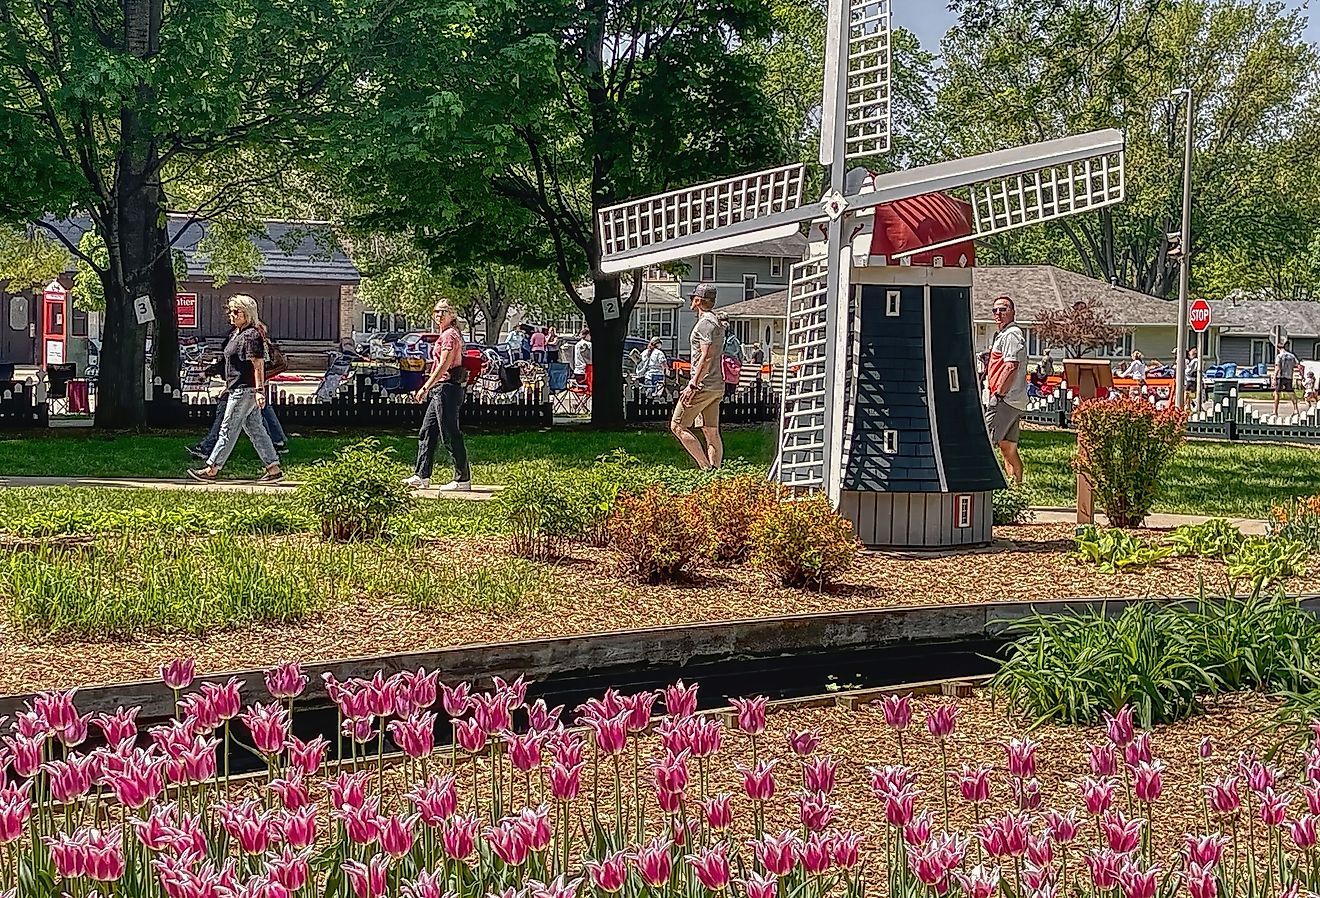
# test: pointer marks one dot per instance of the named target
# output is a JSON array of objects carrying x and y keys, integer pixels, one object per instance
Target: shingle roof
[
  {"x": 791, "y": 247},
  {"x": 290, "y": 251},
  {"x": 1255, "y": 318},
  {"x": 651, "y": 293},
  {"x": 1034, "y": 288}
]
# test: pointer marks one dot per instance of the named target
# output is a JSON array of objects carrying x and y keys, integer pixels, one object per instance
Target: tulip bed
[{"x": 626, "y": 802}]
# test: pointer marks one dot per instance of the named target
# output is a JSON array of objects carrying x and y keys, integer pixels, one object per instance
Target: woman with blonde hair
[
  {"x": 443, "y": 395},
  {"x": 244, "y": 358}
]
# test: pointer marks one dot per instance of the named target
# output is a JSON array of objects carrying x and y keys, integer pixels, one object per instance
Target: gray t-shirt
[
  {"x": 1287, "y": 363},
  {"x": 709, "y": 330}
]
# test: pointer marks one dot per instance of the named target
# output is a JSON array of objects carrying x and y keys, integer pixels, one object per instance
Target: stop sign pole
[{"x": 1199, "y": 319}]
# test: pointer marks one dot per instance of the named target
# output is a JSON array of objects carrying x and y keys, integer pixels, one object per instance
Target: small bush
[
  {"x": 1123, "y": 446},
  {"x": 657, "y": 534},
  {"x": 804, "y": 543},
  {"x": 1013, "y": 506},
  {"x": 354, "y": 494},
  {"x": 542, "y": 513},
  {"x": 732, "y": 507},
  {"x": 1112, "y": 550}
]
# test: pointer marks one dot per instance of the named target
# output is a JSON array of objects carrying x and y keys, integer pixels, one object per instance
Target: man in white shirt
[
  {"x": 1005, "y": 393},
  {"x": 582, "y": 359}
]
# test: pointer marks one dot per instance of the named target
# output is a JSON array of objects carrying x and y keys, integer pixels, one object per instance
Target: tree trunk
[
  {"x": 608, "y": 339},
  {"x": 164, "y": 289}
]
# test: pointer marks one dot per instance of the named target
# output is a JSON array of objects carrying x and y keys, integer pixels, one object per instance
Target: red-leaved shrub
[
  {"x": 657, "y": 534},
  {"x": 733, "y": 506},
  {"x": 1123, "y": 446}
]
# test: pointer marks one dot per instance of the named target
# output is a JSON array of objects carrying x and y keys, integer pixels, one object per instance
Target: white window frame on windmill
[
  {"x": 963, "y": 506},
  {"x": 893, "y": 303},
  {"x": 890, "y": 442}
]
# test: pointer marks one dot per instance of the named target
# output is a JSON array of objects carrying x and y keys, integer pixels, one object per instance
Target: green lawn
[{"x": 1240, "y": 480}]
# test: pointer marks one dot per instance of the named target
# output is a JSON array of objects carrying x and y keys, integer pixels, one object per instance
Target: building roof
[
  {"x": 792, "y": 247},
  {"x": 653, "y": 293},
  {"x": 1034, "y": 288},
  {"x": 1255, "y": 318},
  {"x": 290, "y": 250}
]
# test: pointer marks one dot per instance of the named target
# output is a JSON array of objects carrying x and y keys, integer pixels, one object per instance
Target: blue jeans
[
  {"x": 241, "y": 414},
  {"x": 273, "y": 426}
]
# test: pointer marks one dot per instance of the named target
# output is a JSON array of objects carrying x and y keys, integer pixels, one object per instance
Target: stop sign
[{"x": 1200, "y": 316}]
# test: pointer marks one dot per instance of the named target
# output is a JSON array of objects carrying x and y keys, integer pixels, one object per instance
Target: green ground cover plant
[{"x": 1113, "y": 550}]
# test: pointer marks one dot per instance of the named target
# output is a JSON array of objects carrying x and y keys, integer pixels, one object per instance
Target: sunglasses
[
  {"x": 235, "y": 311},
  {"x": 1003, "y": 310}
]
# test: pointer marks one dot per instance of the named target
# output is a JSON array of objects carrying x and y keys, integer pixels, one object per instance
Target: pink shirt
[
  {"x": 538, "y": 341},
  {"x": 449, "y": 346}
]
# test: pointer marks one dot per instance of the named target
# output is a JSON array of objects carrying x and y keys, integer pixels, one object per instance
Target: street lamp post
[{"x": 1185, "y": 260}]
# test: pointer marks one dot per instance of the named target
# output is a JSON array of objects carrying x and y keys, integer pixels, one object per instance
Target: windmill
[{"x": 896, "y": 444}]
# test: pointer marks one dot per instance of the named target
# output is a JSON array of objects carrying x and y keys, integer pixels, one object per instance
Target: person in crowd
[
  {"x": 1285, "y": 370},
  {"x": 1312, "y": 394},
  {"x": 443, "y": 393},
  {"x": 538, "y": 345},
  {"x": 1191, "y": 369},
  {"x": 1005, "y": 394},
  {"x": 758, "y": 359},
  {"x": 653, "y": 367},
  {"x": 1137, "y": 369},
  {"x": 702, "y": 396},
  {"x": 514, "y": 343},
  {"x": 244, "y": 365},
  {"x": 551, "y": 345},
  {"x": 278, "y": 438},
  {"x": 731, "y": 369},
  {"x": 582, "y": 370}
]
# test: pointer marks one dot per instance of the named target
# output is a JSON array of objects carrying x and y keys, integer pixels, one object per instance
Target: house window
[
  {"x": 1120, "y": 350},
  {"x": 1034, "y": 347},
  {"x": 648, "y": 321},
  {"x": 742, "y": 329},
  {"x": 777, "y": 267},
  {"x": 379, "y": 322},
  {"x": 1262, "y": 353},
  {"x": 78, "y": 323},
  {"x": 708, "y": 268},
  {"x": 749, "y": 286}
]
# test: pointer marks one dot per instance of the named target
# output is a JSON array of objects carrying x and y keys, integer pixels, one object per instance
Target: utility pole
[{"x": 1185, "y": 259}]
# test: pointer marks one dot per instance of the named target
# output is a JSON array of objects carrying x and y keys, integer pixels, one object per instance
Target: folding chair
[{"x": 57, "y": 387}]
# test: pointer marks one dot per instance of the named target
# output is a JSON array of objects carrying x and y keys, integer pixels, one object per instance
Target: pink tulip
[
  {"x": 1274, "y": 807},
  {"x": 70, "y": 779},
  {"x": 140, "y": 779},
  {"x": 360, "y": 729},
  {"x": 899, "y": 806},
  {"x": 653, "y": 860},
  {"x": 15, "y": 810},
  {"x": 1119, "y": 726},
  {"x": 515, "y": 693},
  {"x": 25, "y": 753},
  {"x": 292, "y": 791},
  {"x": 671, "y": 772},
  {"x": 777, "y": 854},
  {"x": 156, "y": 831},
  {"x": 1021, "y": 757},
  {"x": 1205, "y": 851},
  {"x": 1303, "y": 831},
  {"x": 535, "y": 823},
  {"x": 917, "y": 830},
  {"x": 639, "y": 707},
  {"x": 118, "y": 726},
  {"x": 1137, "y": 883},
  {"x": 815, "y": 811},
  {"x": 680, "y": 700},
  {"x": 942, "y": 720},
  {"x": 104, "y": 856},
  {"x": 818, "y": 774},
  {"x": 1040, "y": 850},
  {"x": 469, "y": 735},
  {"x": 75, "y": 732},
  {"x": 1260, "y": 777},
  {"x": 1223, "y": 795},
  {"x": 705, "y": 736},
  {"x": 1038, "y": 880},
  {"x": 845, "y": 849},
  {"x": 1026, "y": 793},
  {"x": 224, "y": 699},
  {"x": 974, "y": 782},
  {"x": 980, "y": 882},
  {"x": 560, "y": 887},
  {"x": 815, "y": 854},
  {"x": 396, "y": 835},
  {"x": 491, "y": 713},
  {"x": 428, "y": 884},
  {"x": 891, "y": 778},
  {"x": 1121, "y": 834},
  {"x": 543, "y": 719},
  {"x": 285, "y": 680},
  {"x": 509, "y": 842},
  {"x": 1005, "y": 836},
  {"x": 368, "y": 880},
  {"x": 68, "y": 854},
  {"x": 1312, "y": 794},
  {"x": 1138, "y": 751},
  {"x": 56, "y": 709},
  {"x": 269, "y": 726},
  {"x": 1104, "y": 866},
  {"x": 435, "y": 798},
  {"x": 290, "y": 868},
  {"x": 1098, "y": 795},
  {"x": 415, "y": 736},
  {"x": 382, "y": 693},
  {"x": 718, "y": 811},
  {"x": 455, "y": 699},
  {"x": 758, "y": 781},
  {"x": 420, "y": 688},
  {"x": 609, "y": 874},
  {"x": 299, "y": 827},
  {"x": 1148, "y": 782},
  {"x": 31, "y": 725},
  {"x": 362, "y": 823},
  {"x": 458, "y": 836},
  {"x": 566, "y": 782},
  {"x": 751, "y": 714},
  {"x": 524, "y": 750},
  {"x": 758, "y": 886},
  {"x": 669, "y": 802},
  {"x": 565, "y": 747},
  {"x": 610, "y": 735},
  {"x": 1103, "y": 760},
  {"x": 1063, "y": 827},
  {"x": 897, "y": 711},
  {"x": 1202, "y": 882},
  {"x": 200, "y": 712},
  {"x": 711, "y": 867},
  {"x": 803, "y": 742},
  {"x": 179, "y": 673},
  {"x": 348, "y": 789},
  {"x": 307, "y": 756},
  {"x": 1206, "y": 749},
  {"x": 253, "y": 830}
]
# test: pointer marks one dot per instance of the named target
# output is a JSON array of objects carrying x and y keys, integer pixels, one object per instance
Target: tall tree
[
  {"x": 1016, "y": 73},
  {"x": 548, "y": 111},
  {"x": 113, "y": 98}
]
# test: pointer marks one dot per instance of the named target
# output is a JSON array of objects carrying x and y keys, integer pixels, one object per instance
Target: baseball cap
[{"x": 703, "y": 291}]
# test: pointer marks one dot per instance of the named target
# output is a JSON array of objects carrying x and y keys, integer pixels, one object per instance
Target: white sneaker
[
  {"x": 457, "y": 486},
  {"x": 417, "y": 483}
]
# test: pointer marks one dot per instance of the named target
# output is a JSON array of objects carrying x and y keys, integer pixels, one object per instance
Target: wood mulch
[{"x": 588, "y": 595}]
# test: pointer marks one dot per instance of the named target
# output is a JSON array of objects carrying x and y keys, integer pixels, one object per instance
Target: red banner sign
[{"x": 185, "y": 305}]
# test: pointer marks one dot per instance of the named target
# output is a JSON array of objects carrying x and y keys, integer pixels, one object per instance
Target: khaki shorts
[
  {"x": 705, "y": 405},
  {"x": 1003, "y": 422}
]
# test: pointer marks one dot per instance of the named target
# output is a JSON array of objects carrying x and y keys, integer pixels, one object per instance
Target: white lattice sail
[
  {"x": 803, "y": 438},
  {"x": 869, "y": 117},
  {"x": 672, "y": 225}
]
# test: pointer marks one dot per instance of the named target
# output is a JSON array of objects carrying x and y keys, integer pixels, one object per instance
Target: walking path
[{"x": 484, "y": 493}]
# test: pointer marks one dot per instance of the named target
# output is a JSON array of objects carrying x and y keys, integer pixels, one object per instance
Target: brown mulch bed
[{"x": 589, "y": 596}]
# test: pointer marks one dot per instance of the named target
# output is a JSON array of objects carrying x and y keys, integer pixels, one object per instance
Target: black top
[{"x": 241, "y": 347}]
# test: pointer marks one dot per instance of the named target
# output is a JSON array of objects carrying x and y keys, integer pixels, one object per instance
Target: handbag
[{"x": 277, "y": 361}]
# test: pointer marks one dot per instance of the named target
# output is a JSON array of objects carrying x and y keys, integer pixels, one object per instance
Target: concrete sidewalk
[
  {"x": 478, "y": 494},
  {"x": 1248, "y": 526}
]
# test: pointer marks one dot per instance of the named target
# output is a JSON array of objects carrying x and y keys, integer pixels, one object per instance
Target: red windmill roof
[{"x": 922, "y": 221}]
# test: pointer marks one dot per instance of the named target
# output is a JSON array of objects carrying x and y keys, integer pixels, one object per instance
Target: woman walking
[
  {"x": 244, "y": 359},
  {"x": 443, "y": 392}
]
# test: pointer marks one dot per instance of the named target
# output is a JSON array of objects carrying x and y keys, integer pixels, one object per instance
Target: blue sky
[{"x": 931, "y": 18}]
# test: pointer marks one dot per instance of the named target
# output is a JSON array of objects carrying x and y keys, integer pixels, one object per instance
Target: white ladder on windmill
[{"x": 807, "y": 367}]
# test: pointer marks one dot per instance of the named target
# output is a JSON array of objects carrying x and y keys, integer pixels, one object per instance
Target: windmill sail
[
  {"x": 868, "y": 69},
  {"x": 803, "y": 439},
  {"x": 705, "y": 219}
]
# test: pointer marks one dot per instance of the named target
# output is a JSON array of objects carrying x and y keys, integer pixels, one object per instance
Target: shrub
[
  {"x": 1262, "y": 562},
  {"x": 354, "y": 494},
  {"x": 1216, "y": 538},
  {"x": 732, "y": 507},
  {"x": 1013, "y": 505},
  {"x": 1123, "y": 446},
  {"x": 804, "y": 542},
  {"x": 542, "y": 513},
  {"x": 657, "y": 534},
  {"x": 1298, "y": 520},
  {"x": 1113, "y": 550}
]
